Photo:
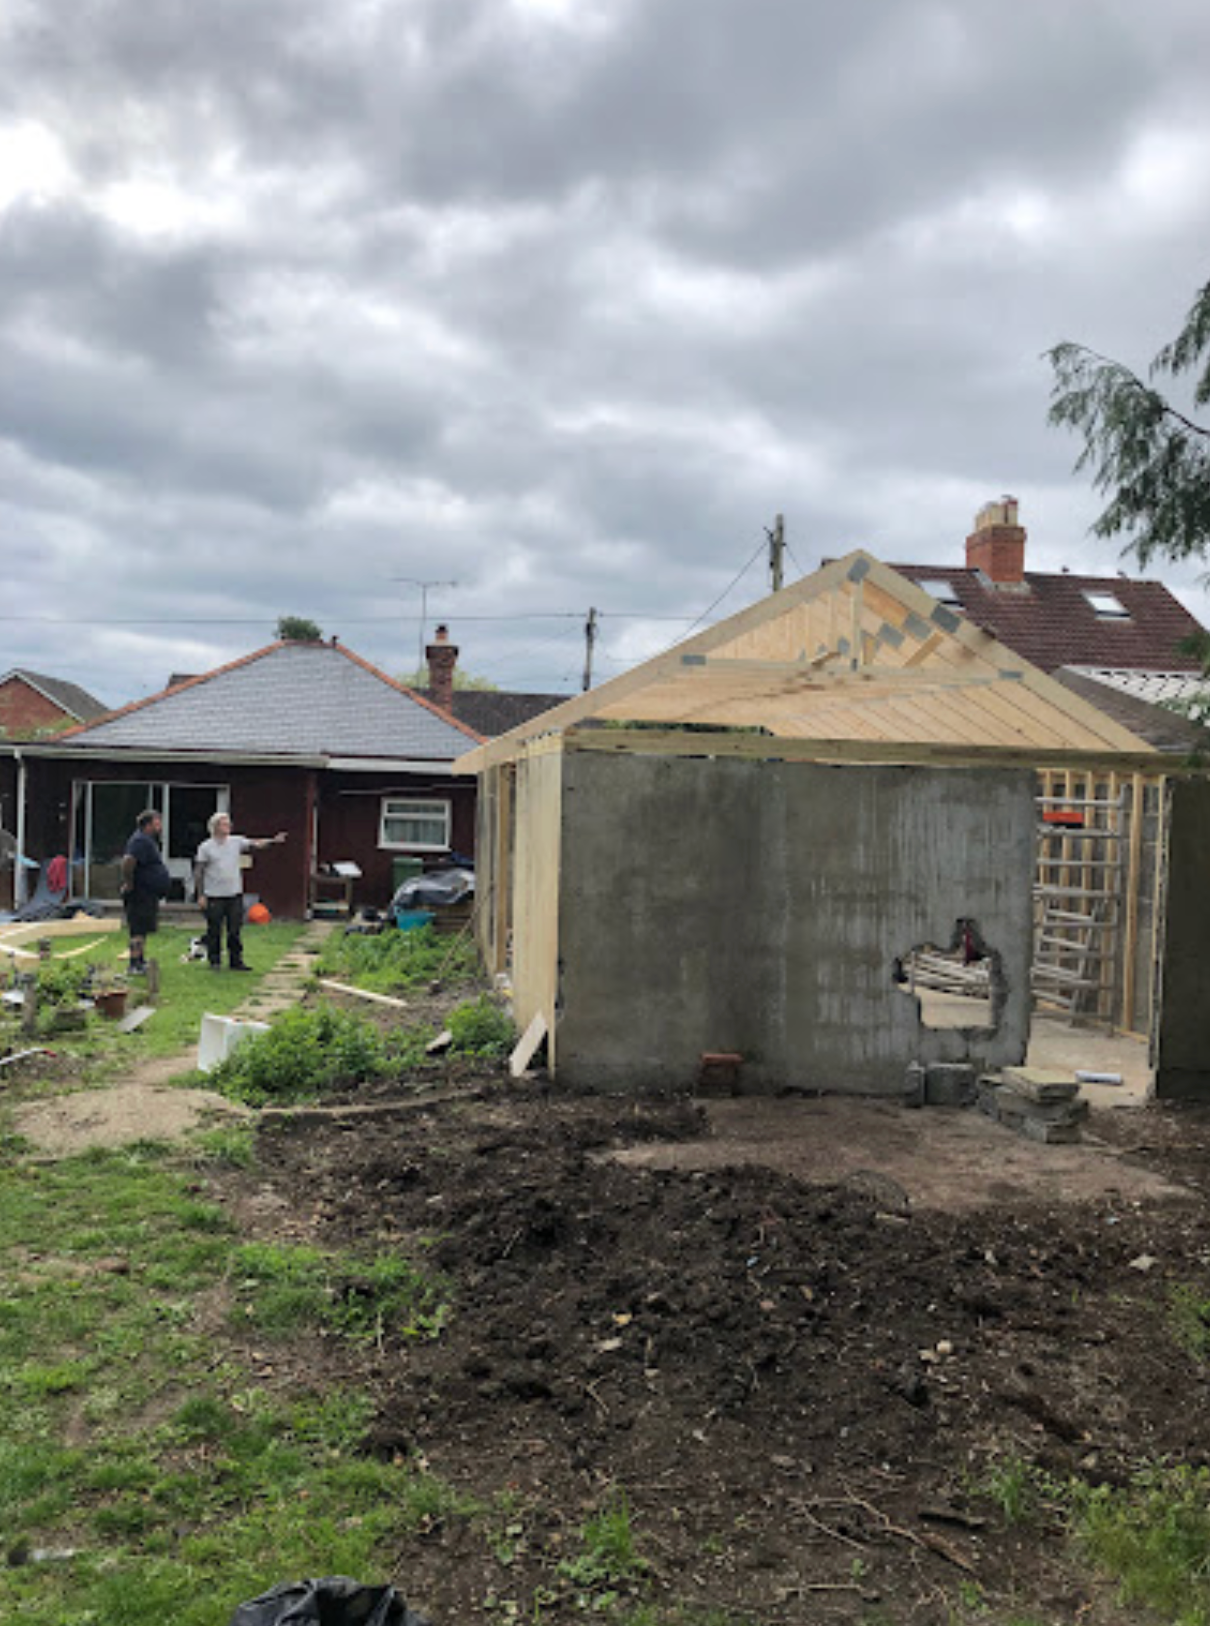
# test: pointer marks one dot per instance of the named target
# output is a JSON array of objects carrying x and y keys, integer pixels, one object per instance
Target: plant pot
[{"x": 111, "y": 1003}]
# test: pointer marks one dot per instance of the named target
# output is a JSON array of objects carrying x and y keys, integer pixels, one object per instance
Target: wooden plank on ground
[
  {"x": 362, "y": 993},
  {"x": 526, "y": 1047},
  {"x": 29, "y": 931}
]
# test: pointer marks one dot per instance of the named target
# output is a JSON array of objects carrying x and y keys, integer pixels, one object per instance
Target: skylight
[
  {"x": 1107, "y": 606},
  {"x": 942, "y": 590}
]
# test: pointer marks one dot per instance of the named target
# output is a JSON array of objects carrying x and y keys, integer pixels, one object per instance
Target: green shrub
[
  {"x": 480, "y": 1028},
  {"x": 61, "y": 982},
  {"x": 303, "y": 1054}
]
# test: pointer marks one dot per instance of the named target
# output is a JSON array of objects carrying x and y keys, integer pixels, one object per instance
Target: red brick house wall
[{"x": 24, "y": 710}]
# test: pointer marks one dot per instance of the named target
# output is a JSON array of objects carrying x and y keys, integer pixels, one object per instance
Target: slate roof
[
  {"x": 70, "y": 697},
  {"x": 1050, "y": 622},
  {"x": 491, "y": 712},
  {"x": 1158, "y": 724},
  {"x": 288, "y": 700}
]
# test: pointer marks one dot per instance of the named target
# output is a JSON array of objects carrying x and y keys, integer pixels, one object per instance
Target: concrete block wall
[{"x": 758, "y": 907}]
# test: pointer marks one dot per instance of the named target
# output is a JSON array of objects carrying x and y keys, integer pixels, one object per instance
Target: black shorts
[{"x": 142, "y": 912}]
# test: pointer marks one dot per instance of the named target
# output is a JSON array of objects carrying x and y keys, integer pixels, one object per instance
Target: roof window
[
  {"x": 941, "y": 589},
  {"x": 1107, "y": 606}
]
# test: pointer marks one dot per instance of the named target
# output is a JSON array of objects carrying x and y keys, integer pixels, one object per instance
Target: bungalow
[{"x": 302, "y": 737}]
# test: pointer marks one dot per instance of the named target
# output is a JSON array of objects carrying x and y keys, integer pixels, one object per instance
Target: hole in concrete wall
[{"x": 957, "y": 985}]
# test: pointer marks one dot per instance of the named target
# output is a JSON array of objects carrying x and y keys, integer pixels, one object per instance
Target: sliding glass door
[{"x": 104, "y": 815}]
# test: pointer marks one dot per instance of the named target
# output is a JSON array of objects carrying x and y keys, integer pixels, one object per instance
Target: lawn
[
  {"x": 187, "y": 989},
  {"x": 149, "y": 1468}
]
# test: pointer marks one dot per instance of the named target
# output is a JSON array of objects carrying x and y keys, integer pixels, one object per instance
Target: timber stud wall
[{"x": 1097, "y": 885}]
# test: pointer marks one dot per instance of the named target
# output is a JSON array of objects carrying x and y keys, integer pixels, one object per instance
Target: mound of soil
[{"x": 800, "y": 1387}]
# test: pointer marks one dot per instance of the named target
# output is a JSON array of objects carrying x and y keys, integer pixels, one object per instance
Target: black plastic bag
[{"x": 334, "y": 1601}]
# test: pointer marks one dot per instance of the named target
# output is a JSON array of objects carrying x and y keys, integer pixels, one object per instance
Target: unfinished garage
[{"x": 812, "y": 839}]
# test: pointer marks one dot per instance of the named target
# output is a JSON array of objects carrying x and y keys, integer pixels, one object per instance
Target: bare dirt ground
[
  {"x": 796, "y": 1334},
  {"x": 143, "y": 1110}
]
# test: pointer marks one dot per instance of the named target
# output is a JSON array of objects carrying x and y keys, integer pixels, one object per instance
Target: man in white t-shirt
[{"x": 220, "y": 888}]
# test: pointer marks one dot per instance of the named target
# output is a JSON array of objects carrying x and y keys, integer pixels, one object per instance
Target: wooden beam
[
  {"x": 759, "y": 747},
  {"x": 1133, "y": 876}
]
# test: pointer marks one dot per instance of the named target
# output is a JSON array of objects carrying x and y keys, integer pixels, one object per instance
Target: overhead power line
[{"x": 346, "y": 620}]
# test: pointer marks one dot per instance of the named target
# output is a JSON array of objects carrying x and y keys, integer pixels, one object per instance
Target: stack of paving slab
[{"x": 1042, "y": 1103}]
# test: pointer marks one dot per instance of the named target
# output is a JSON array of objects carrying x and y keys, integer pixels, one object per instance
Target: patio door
[{"x": 104, "y": 816}]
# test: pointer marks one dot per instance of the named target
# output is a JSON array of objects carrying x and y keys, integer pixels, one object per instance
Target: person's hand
[
  {"x": 201, "y": 900},
  {"x": 280, "y": 837}
]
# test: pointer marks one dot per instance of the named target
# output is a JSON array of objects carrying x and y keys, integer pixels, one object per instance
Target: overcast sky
[{"x": 305, "y": 301}]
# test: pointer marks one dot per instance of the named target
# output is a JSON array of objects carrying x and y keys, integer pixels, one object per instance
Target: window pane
[{"x": 415, "y": 824}]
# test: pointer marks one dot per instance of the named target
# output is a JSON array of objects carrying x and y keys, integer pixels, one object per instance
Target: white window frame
[
  {"x": 1106, "y": 606},
  {"x": 426, "y": 807}
]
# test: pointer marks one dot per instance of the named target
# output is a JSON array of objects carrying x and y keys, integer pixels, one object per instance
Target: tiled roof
[
  {"x": 1049, "y": 621},
  {"x": 291, "y": 699},
  {"x": 70, "y": 697},
  {"x": 1158, "y": 724},
  {"x": 494, "y": 711},
  {"x": 1160, "y": 688}
]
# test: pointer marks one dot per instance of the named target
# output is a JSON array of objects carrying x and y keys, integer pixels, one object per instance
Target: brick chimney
[
  {"x": 997, "y": 545},
  {"x": 442, "y": 657}
]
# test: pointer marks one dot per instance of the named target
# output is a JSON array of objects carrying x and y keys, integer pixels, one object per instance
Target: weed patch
[
  {"x": 395, "y": 960},
  {"x": 304, "y": 1053},
  {"x": 480, "y": 1028},
  {"x": 283, "y": 1289},
  {"x": 1189, "y": 1321},
  {"x": 1153, "y": 1538}
]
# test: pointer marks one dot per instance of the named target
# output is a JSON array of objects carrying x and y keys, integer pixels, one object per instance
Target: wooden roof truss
[{"x": 854, "y": 653}]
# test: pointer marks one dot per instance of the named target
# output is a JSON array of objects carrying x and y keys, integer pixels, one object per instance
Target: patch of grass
[
  {"x": 185, "y": 1488},
  {"x": 231, "y": 1144},
  {"x": 282, "y": 1289},
  {"x": 1153, "y": 1538},
  {"x": 1189, "y": 1321},
  {"x": 395, "y": 960}
]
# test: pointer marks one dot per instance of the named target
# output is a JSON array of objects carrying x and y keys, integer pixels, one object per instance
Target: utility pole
[
  {"x": 590, "y": 638},
  {"x": 413, "y": 581},
  {"x": 777, "y": 549}
]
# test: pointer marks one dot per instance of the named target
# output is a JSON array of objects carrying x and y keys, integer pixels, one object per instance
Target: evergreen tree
[{"x": 1151, "y": 460}]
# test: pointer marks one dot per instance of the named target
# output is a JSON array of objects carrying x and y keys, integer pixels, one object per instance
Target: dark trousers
[{"x": 228, "y": 911}]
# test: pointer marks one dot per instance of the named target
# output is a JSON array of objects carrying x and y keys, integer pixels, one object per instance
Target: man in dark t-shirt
[{"x": 145, "y": 881}]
